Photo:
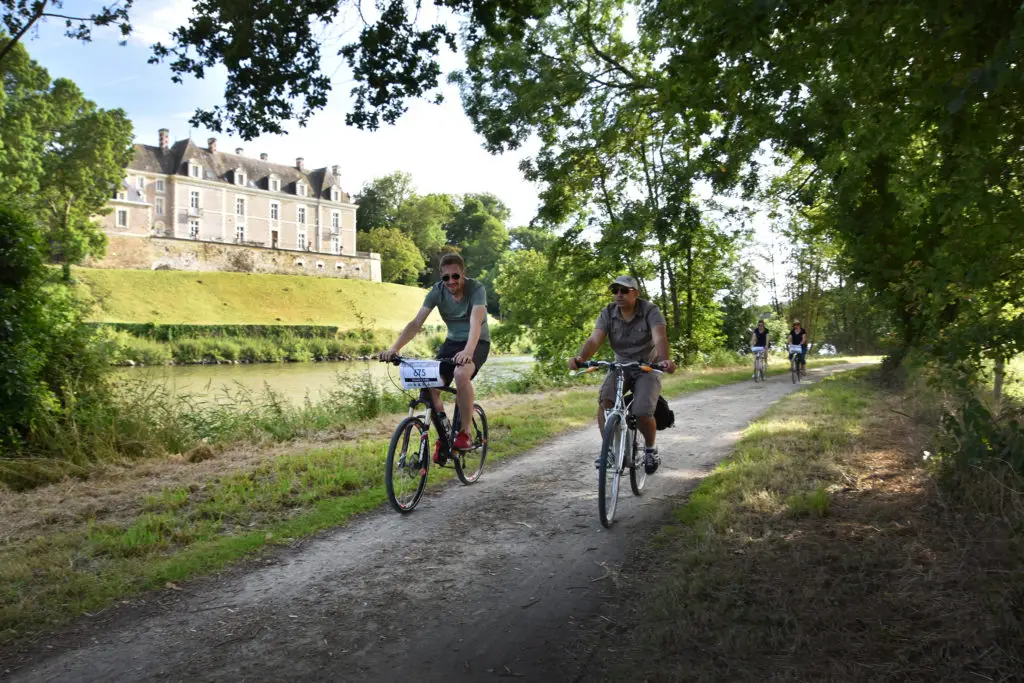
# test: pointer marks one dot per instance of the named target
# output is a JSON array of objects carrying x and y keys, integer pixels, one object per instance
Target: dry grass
[{"x": 889, "y": 583}]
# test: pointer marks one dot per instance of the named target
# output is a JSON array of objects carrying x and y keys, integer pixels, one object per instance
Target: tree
[
  {"x": 83, "y": 162},
  {"x": 62, "y": 158},
  {"x": 423, "y": 218},
  {"x": 380, "y": 200},
  {"x": 47, "y": 356},
  {"x": 534, "y": 238},
  {"x": 557, "y": 324},
  {"x": 400, "y": 260},
  {"x": 738, "y": 313},
  {"x": 272, "y": 52}
]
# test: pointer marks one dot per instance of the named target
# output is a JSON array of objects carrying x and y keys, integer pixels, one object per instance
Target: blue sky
[{"x": 435, "y": 143}]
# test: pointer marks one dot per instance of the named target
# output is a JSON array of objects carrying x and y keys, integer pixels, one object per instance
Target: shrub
[{"x": 46, "y": 353}]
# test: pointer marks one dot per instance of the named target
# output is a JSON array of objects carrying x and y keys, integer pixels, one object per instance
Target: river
[{"x": 293, "y": 381}]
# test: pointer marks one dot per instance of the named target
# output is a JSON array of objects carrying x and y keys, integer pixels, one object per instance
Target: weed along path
[{"x": 471, "y": 586}]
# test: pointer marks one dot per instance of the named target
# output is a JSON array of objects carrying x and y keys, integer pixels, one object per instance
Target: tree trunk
[
  {"x": 998, "y": 375},
  {"x": 689, "y": 292}
]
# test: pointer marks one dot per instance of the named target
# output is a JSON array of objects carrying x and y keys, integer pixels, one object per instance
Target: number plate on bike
[
  {"x": 420, "y": 374},
  {"x": 795, "y": 349}
]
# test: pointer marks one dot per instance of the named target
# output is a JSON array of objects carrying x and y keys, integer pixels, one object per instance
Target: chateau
[{"x": 188, "y": 207}]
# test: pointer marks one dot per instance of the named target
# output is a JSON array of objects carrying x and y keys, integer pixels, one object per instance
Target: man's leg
[
  {"x": 464, "y": 385},
  {"x": 606, "y": 399},
  {"x": 645, "y": 399}
]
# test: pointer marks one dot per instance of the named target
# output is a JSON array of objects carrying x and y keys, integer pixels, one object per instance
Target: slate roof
[{"x": 220, "y": 167}]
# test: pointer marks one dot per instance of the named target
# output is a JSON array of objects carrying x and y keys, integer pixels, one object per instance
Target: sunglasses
[
  {"x": 453, "y": 276},
  {"x": 622, "y": 290}
]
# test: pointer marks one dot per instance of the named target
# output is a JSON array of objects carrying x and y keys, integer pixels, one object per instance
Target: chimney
[
  {"x": 263, "y": 156},
  {"x": 164, "y": 136},
  {"x": 300, "y": 164},
  {"x": 336, "y": 171},
  {"x": 212, "y": 145},
  {"x": 238, "y": 151}
]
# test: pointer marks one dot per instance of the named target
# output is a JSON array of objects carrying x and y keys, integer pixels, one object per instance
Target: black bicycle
[{"x": 409, "y": 454}]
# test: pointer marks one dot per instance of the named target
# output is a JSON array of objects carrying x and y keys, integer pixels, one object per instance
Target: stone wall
[{"x": 166, "y": 253}]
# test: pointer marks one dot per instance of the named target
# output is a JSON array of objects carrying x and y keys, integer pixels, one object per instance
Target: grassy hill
[{"x": 167, "y": 296}]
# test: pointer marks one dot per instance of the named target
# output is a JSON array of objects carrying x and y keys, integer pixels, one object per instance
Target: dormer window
[
  {"x": 300, "y": 188},
  {"x": 335, "y": 194},
  {"x": 121, "y": 195},
  {"x": 274, "y": 184},
  {"x": 193, "y": 171},
  {"x": 240, "y": 178}
]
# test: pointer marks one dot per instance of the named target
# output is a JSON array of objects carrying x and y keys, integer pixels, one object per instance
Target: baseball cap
[{"x": 625, "y": 281}]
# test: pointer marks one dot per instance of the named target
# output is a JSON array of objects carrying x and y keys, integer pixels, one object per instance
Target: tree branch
[{"x": 24, "y": 29}]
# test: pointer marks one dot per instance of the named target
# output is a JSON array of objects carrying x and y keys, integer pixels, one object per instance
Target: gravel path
[{"x": 479, "y": 583}]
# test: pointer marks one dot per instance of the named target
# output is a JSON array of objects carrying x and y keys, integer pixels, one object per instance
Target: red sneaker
[
  {"x": 439, "y": 458},
  {"x": 462, "y": 442}
]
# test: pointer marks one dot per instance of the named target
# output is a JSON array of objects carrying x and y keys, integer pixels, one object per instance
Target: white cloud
[{"x": 153, "y": 20}]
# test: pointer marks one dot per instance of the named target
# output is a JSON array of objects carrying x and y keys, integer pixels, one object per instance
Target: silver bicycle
[{"x": 619, "y": 448}]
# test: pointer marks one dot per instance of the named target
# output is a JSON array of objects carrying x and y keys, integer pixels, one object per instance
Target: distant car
[{"x": 826, "y": 350}]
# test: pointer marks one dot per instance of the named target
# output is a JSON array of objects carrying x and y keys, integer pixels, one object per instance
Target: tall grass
[
  {"x": 122, "y": 348},
  {"x": 144, "y": 419}
]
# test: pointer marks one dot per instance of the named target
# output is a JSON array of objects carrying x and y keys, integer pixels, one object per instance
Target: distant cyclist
[
  {"x": 637, "y": 332},
  {"x": 760, "y": 339},
  {"x": 798, "y": 337},
  {"x": 462, "y": 303}
]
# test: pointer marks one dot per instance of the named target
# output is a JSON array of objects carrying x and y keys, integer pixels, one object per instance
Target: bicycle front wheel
[
  {"x": 407, "y": 463},
  {"x": 757, "y": 372},
  {"x": 637, "y": 473},
  {"x": 469, "y": 464},
  {"x": 608, "y": 472},
  {"x": 794, "y": 371}
]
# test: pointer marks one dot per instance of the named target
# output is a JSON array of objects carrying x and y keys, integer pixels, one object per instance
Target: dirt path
[{"x": 474, "y": 585}]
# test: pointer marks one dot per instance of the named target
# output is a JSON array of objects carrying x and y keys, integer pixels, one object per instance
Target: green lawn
[{"x": 166, "y": 296}]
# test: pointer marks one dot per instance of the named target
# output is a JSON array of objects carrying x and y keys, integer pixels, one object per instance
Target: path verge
[{"x": 820, "y": 550}]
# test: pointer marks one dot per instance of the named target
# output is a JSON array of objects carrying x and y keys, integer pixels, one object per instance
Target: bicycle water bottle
[{"x": 444, "y": 428}]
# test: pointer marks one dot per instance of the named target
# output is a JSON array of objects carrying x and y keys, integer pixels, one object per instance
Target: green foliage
[
  {"x": 380, "y": 199},
  {"x": 401, "y": 261},
  {"x": 168, "y": 332},
  {"x": 49, "y": 364},
  {"x": 542, "y": 299},
  {"x": 66, "y": 157},
  {"x": 739, "y": 317},
  {"x": 423, "y": 218}
]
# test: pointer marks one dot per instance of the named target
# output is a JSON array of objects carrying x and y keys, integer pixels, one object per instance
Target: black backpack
[{"x": 664, "y": 416}]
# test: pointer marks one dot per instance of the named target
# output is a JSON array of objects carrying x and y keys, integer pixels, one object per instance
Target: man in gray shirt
[
  {"x": 462, "y": 303},
  {"x": 637, "y": 332}
]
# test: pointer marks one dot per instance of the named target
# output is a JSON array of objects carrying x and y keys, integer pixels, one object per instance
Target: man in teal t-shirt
[{"x": 462, "y": 303}]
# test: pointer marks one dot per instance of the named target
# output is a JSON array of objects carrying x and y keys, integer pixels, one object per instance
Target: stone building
[{"x": 273, "y": 217}]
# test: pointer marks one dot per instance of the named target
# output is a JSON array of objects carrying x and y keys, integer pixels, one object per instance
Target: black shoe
[{"x": 651, "y": 460}]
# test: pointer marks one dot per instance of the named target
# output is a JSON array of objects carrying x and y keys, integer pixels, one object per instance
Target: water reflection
[{"x": 293, "y": 381}]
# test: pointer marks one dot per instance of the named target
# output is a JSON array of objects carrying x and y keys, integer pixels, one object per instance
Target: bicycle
[
  {"x": 406, "y": 475},
  {"x": 796, "y": 370},
  {"x": 619, "y": 440},
  {"x": 759, "y": 352}
]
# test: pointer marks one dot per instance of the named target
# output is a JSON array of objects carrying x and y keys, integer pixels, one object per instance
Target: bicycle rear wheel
[
  {"x": 407, "y": 463},
  {"x": 608, "y": 474},
  {"x": 469, "y": 464},
  {"x": 637, "y": 473}
]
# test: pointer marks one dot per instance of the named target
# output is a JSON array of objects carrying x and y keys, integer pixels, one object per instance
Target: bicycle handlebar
[
  {"x": 592, "y": 365},
  {"x": 398, "y": 360}
]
